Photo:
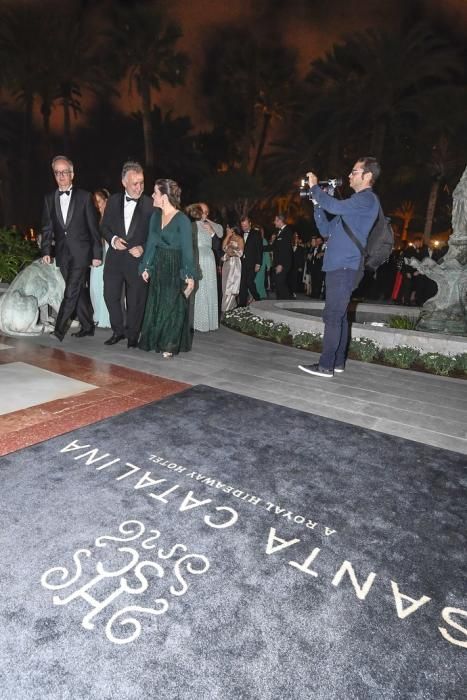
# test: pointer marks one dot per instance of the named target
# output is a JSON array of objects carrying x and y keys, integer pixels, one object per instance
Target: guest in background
[
  {"x": 282, "y": 256},
  {"x": 69, "y": 221},
  {"x": 232, "y": 268},
  {"x": 125, "y": 228},
  {"x": 206, "y": 315},
  {"x": 271, "y": 274},
  {"x": 260, "y": 278},
  {"x": 251, "y": 261},
  {"x": 295, "y": 278},
  {"x": 96, "y": 283},
  {"x": 168, "y": 265},
  {"x": 216, "y": 238},
  {"x": 316, "y": 267}
]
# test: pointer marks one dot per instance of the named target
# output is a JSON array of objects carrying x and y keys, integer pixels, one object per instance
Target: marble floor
[
  {"x": 427, "y": 409},
  {"x": 45, "y": 392}
]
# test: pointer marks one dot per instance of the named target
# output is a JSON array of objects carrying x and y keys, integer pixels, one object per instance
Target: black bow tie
[
  {"x": 130, "y": 199},
  {"x": 60, "y": 192}
]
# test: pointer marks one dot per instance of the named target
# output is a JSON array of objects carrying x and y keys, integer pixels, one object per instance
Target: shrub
[
  {"x": 363, "y": 349},
  {"x": 15, "y": 254},
  {"x": 461, "y": 362},
  {"x": 401, "y": 356},
  {"x": 406, "y": 322},
  {"x": 439, "y": 364},
  {"x": 308, "y": 341}
]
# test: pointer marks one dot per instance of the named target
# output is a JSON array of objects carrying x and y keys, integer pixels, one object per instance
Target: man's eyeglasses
[{"x": 62, "y": 172}]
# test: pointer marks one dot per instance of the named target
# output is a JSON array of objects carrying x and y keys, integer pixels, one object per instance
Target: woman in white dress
[
  {"x": 96, "y": 284},
  {"x": 231, "y": 269}
]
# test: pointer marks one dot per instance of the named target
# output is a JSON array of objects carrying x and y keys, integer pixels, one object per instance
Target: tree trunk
[
  {"x": 66, "y": 126},
  {"x": 430, "y": 211},
  {"x": 145, "y": 91},
  {"x": 26, "y": 162},
  {"x": 377, "y": 140},
  {"x": 46, "y": 111},
  {"x": 267, "y": 116}
]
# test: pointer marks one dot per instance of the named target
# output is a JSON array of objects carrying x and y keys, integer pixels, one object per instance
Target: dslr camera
[{"x": 329, "y": 186}]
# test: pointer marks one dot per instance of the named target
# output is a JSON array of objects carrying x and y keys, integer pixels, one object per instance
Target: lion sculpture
[{"x": 24, "y": 306}]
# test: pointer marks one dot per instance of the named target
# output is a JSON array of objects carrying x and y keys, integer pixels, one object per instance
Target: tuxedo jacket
[
  {"x": 253, "y": 250},
  {"x": 78, "y": 237},
  {"x": 113, "y": 224},
  {"x": 282, "y": 248}
]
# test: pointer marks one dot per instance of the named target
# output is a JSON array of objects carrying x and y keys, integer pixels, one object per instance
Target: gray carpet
[{"x": 216, "y": 546}]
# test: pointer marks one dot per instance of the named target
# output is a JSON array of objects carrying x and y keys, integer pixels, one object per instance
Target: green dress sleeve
[
  {"x": 186, "y": 245},
  {"x": 147, "y": 262}
]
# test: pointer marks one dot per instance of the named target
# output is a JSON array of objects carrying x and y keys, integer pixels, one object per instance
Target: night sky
[{"x": 311, "y": 26}]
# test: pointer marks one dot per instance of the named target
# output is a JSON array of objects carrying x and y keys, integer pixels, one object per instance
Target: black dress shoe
[
  {"x": 58, "y": 335},
  {"x": 132, "y": 343},
  {"x": 116, "y": 338},
  {"x": 82, "y": 333}
]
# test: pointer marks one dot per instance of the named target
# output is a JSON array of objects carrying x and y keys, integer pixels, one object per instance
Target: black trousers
[
  {"x": 317, "y": 279},
  {"x": 121, "y": 276},
  {"x": 247, "y": 284},
  {"x": 282, "y": 284},
  {"x": 76, "y": 300}
]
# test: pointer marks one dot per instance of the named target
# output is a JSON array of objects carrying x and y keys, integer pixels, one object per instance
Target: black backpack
[{"x": 379, "y": 244}]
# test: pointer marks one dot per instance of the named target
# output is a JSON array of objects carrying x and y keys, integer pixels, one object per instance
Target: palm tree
[
  {"x": 145, "y": 40},
  {"x": 405, "y": 212},
  {"x": 249, "y": 84},
  {"x": 20, "y": 26},
  {"x": 384, "y": 77},
  {"x": 79, "y": 52}
]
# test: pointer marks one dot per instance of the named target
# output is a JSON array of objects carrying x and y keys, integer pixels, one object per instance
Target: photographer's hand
[{"x": 312, "y": 179}]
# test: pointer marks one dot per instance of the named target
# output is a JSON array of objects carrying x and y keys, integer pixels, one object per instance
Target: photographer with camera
[{"x": 343, "y": 262}]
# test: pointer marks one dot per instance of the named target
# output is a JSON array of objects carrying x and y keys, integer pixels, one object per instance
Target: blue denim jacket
[{"x": 359, "y": 211}]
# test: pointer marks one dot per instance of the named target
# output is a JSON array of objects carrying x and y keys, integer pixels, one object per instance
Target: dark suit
[
  {"x": 252, "y": 255},
  {"x": 282, "y": 255},
  {"x": 121, "y": 268},
  {"x": 77, "y": 242}
]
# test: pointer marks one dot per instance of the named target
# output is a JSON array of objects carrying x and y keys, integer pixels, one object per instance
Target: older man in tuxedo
[
  {"x": 251, "y": 261},
  {"x": 125, "y": 226},
  {"x": 69, "y": 221}
]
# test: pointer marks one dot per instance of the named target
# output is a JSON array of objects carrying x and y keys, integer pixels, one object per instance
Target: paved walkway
[{"x": 422, "y": 407}]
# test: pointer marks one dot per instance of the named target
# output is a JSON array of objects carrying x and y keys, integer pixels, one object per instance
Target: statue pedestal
[{"x": 446, "y": 312}]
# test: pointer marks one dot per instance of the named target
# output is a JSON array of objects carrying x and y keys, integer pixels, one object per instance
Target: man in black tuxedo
[
  {"x": 251, "y": 261},
  {"x": 125, "y": 226},
  {"x": 282, "y": 256},
  {"x": 69, "y": 220}
]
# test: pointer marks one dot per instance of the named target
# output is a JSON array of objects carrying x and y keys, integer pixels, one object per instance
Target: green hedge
[
  {"x": 363, "y": 349},
  {"x": 15, "y": 253}
]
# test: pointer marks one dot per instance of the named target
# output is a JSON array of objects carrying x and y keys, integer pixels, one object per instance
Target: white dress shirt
[
  {"x": 65, "y": 203},
  {"x": 128, "y": 211}
]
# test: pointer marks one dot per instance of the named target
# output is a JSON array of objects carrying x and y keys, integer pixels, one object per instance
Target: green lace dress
[{"x": 169, "y": 260}]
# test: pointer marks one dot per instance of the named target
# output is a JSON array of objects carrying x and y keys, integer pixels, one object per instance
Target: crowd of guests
[{"x": 154, "y": 273}]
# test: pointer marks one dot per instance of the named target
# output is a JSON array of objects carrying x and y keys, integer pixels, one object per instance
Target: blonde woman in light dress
[
  {"x": 206, "y": 311},
  {"x": 96, "y": 282},
  {"x": 231, "y": 269}
]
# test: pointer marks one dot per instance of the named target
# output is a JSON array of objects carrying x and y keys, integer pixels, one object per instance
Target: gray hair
[
  {"x": 67, "y": 160},
  {"x": 281, "y": 216},
  {"x": 131, "y": 165}
]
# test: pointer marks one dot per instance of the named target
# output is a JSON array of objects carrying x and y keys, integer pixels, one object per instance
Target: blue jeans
[{"x": 339, "y": 286}]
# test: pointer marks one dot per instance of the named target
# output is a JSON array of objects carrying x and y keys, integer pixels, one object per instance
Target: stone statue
[
  {"x": 446, "y": 312},
  {"x": 24, "y": 305}
]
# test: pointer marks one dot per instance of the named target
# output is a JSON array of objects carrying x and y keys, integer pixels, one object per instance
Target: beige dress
[{"x": 231, "y": 274}]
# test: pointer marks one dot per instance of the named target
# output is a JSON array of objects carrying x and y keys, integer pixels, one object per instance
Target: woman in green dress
[{"x": 168, "y": 266}]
